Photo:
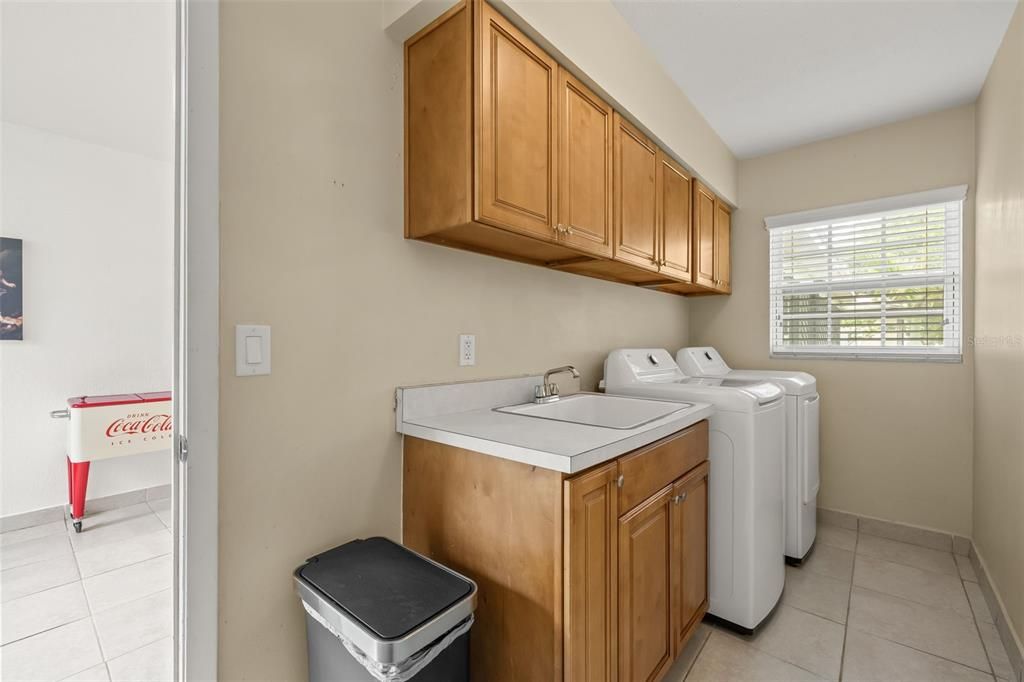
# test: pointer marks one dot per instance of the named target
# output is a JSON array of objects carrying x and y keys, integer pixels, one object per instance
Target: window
[{"x": 878, "y": 279}]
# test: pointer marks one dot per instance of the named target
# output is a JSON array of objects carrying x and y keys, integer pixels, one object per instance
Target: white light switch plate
[{"x": 252, "y": 349}]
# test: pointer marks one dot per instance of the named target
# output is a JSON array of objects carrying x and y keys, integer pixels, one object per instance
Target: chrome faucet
[{"x": 547, "y": 392}]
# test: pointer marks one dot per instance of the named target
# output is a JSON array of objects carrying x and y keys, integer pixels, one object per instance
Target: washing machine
[
  {"x": 802, "y": 445},
  {"x": 746, "y": 568}
]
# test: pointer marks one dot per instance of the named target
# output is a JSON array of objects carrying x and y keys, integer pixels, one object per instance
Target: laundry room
[{"x": 512, "y": 340}]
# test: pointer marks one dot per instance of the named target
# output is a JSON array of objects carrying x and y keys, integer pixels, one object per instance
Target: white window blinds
[{"x": 878, "y": 279}]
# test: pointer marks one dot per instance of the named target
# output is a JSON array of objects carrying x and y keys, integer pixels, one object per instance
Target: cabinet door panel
[
  {"x": 723, "y": 234},
  {"x": 585, "y": 167},
  {"x": 689, "y": 552},
  {"x": 516, "y": 129},
  {"x": 635, "y": 197},
  {"x": 645, "y": 576},
  {"x": 674, "y": 197},
  {"x": 704, "y": 236},
  {"x": 591, "y": 518}
]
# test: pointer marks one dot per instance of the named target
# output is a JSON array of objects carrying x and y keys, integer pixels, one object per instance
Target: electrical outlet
[{"x": 467, "y": 350}]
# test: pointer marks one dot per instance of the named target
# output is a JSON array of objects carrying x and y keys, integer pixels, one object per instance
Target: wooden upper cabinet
[
  {"x": 515, "y": 113},
  {"x": 703, "y": 235},
  {"x": 645, "y": 585},
  {"x": 723, "y": 236},
  {"x": 590, "y": 556},
  {"x": 508, "y": 154},
  {"x": 585, "y": 125},
  {"x": 689, "y": 553},
  {"x": 674, "y": 219},
  {"x": 635, "y": 197}
]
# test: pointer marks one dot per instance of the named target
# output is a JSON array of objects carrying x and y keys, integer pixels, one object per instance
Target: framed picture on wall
[{"x": 12, "y": 317}]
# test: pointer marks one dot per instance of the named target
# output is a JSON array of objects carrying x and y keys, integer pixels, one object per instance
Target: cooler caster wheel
[{"x": 78, "y": 526}]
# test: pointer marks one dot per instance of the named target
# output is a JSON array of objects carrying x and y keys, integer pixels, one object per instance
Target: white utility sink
[{"x": 596, "y": 409}]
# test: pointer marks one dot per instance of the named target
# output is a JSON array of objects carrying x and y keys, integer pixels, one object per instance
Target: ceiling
[
  {"x": 768, "y": 74},
  {"x": 100, "y": 71}
]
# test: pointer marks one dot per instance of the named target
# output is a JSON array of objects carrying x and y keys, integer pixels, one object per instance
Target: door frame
[{"x": 196, "y": 338}]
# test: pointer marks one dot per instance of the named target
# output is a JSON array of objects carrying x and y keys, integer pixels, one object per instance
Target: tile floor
[
  {"x": 94, "y": 605},
  {"x": 97, "y": 606},
  {"x": 861, "y": 607}
]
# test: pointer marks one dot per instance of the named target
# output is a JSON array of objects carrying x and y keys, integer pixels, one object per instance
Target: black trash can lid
[{"x": 383, "y": 585}]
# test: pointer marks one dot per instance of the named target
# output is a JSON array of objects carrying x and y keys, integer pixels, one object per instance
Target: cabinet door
[
  {"x": 674, "y": 197},
  {"x": 591, "y": 517},
  {"x": 515, "y": 120},
  {"x": 645, "y": 577},
  {"x": 585, "y": 128},
  {"x": 635, "y": 197},
  {"x": 704, "y": 235},
  {"x": 689, "y": 553},
  {"x": 723, "y": 230}
]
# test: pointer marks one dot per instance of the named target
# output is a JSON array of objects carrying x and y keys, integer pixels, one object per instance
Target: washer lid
[{"x": 386, "y": 587}]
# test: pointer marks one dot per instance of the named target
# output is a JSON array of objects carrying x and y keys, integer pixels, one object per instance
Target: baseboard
[
  {"x": 892, "y": 530},
  {"x": 949, "y": 542},
  {"x": 38, "y": 517},
  {"x": 1011, "y": 640}
]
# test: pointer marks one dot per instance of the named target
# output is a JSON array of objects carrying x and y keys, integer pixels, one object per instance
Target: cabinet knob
[
  {"x": 620, "y": 481},
  {"x": 679, "y": 498}
]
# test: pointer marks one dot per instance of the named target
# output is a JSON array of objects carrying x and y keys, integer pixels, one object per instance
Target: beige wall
[
  {"x": 311, "y": 243},
  {"x": 999, "y": 325},
  {"x": 895, "y": 436},
  {"x": 599, "y": 42}
]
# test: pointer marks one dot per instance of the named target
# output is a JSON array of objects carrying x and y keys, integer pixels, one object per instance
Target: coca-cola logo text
[{"x": 133, "y": 424}]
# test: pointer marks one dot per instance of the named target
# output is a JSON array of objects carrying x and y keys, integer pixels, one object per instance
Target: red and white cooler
[{"x": 104, "y": 426}]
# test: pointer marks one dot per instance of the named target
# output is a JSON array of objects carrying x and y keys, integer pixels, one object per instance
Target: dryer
[
  {"x": 746, "y": 569},
  {"x": 802, "y": 443}
]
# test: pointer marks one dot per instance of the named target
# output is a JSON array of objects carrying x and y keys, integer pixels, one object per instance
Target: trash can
[{"x": 376, "y": 610}]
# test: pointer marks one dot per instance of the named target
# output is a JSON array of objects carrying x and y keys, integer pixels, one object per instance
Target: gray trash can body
[{"x": 378, "y": 611}]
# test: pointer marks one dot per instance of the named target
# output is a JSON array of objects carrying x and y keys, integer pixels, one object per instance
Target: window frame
[{"x": 952, "y": 348}]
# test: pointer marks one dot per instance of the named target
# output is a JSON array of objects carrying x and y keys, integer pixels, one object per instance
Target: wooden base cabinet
[
  {"x": 600, "y": 575},
  {"x": 509, "y": 154}
]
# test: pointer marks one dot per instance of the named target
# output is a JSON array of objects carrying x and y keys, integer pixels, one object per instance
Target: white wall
[
  {"x": 97, "y": 226},
  {"x": 86, "y": 180}
]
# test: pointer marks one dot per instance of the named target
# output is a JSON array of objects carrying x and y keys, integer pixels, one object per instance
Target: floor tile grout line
[
  {"x": 977, "y": 628},
  {"x": 143, "y": 646},
  {"x": 923, "y": 651},
  {"x": 921, "y": 603},
  {"x": 901, "y": 563},
  {"x": 43, "y": 631},
  {"x": 915, "y": 602},
  {"x": 812, "y": 613},
  {"x": 128, "y": 565},
  {"x": 849, "y": 601}
]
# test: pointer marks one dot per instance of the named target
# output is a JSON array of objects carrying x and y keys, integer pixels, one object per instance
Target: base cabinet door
[
  {"x": 591, "y": 519},
  {"x": 645, "y": 647},
  {"x": 689, "y": 553}
]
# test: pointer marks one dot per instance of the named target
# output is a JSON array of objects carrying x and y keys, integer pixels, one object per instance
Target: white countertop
[{"x": 556, "y": 445}]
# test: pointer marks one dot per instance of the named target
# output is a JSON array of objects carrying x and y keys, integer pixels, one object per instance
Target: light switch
[{"x": 252, "y": 350}]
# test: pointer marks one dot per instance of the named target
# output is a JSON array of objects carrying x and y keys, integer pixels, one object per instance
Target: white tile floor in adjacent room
[
  {"x": 94, "y": 605},
  {"x": 862, "y": 607}
]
